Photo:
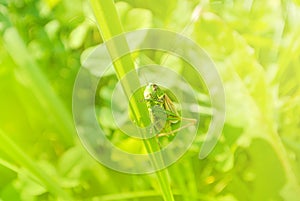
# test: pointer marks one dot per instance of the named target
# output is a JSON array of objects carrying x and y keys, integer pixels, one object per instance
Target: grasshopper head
[{"x": 152, "y": 91}]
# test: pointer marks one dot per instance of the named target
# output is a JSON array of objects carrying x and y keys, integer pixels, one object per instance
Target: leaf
[
  {"x": 78, "y": 35},
  {"x": 161, "y": 9},
  {"x": 133, "y": 18},
  {"x": 94, "y": 59},
  {"x": 10, "y": 192},
  {"x": 70, "y": 160},
  {"x": 138, "y": 18},
  {"x": 265, "y": 165}
]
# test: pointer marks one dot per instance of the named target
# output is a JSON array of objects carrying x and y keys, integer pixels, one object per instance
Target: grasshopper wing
[{"x": 171, "y": 109}]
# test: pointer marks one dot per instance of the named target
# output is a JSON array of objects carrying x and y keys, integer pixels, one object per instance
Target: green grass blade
[
  {"x": 145, "y": 195},
  {"x": 20, "y": 157},
  {"x": 110, "y": 27},
  {"x": 39, "y": 84}
]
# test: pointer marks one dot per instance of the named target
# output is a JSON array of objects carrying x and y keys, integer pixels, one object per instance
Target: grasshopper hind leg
[{"x": 172, "y": 132}]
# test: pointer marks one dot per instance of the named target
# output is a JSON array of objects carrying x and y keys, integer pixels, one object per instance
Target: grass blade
[
  {"x": 110, "y": 26},
  {"x": 20, "y": 157},
  {"x": 40, "y": 85}
]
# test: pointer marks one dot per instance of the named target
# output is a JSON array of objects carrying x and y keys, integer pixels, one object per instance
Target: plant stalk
[{"x": 110, "y": 26}]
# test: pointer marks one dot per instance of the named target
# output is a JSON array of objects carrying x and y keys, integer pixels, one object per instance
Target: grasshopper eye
[{"x": 155, "y": 87}]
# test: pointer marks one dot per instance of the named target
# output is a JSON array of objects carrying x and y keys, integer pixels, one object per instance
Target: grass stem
[
  {"x": 110, "y": 26},
  {"x": 20, "y": 157}
]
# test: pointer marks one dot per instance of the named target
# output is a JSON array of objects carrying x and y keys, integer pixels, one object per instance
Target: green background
[{"x": 256, "y": 47}]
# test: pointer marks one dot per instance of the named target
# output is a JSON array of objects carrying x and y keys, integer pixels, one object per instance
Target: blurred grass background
[{"x": 256, "y": 47}]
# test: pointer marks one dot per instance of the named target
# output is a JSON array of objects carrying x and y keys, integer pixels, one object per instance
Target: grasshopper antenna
[{"x": 144, "y": 78}]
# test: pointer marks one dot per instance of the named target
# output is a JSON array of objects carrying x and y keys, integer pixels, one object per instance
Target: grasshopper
[{"x": 162, "y": 111}]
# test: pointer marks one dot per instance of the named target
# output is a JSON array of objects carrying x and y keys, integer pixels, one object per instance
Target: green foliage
[{"x": 256, "y": 48}]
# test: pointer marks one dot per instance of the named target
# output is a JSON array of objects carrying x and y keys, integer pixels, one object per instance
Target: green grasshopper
[{"x": 162, "y": 111}]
